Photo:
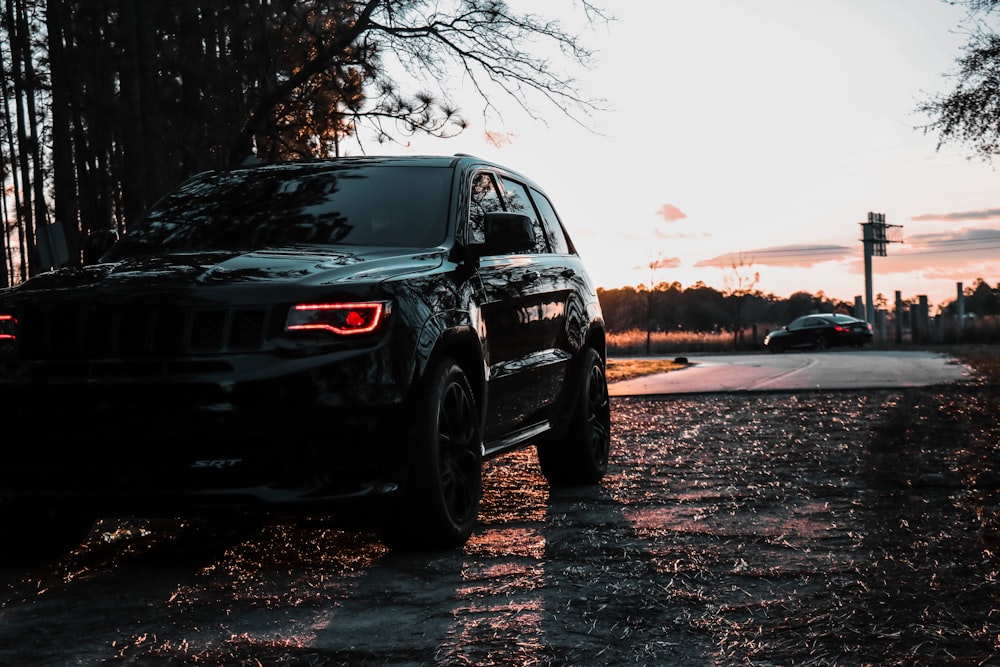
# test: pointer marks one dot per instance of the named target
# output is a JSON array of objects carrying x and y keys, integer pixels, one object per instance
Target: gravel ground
[{"x": 834, "y": 528}]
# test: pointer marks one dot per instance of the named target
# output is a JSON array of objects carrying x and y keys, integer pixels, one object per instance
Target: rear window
[{"x": 288, "y": 205}]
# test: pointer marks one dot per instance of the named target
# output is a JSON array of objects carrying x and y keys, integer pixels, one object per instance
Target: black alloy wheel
[
  {"x": 581, "y": 455},
  {"x": 440, "y": 506}
]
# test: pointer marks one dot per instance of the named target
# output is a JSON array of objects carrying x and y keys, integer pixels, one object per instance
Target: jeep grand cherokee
[{"x": 351, "y": 336}]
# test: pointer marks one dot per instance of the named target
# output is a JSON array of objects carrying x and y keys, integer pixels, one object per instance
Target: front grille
[{"x": 91, "y": 334}]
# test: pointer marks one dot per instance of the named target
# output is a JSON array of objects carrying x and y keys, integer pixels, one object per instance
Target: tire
[
  {"x": 581, "y": 455},
  {"x": 821, "y": 343},
  {"x": 40, "y": 535},
  {"x": 440, "y": 505}
]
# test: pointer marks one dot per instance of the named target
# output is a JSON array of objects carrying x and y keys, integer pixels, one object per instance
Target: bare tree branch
[
  {"x": 496, "y": 50},
  {"x": 970, "y": 114}
]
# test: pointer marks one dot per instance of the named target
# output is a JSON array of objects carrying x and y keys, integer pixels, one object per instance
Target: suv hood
[{"x": 300, "y": 265}]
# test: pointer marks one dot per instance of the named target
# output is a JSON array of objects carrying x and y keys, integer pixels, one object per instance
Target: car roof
[
  {"x": 836, "y": 316},
  {"x": 455, "y": 161},
  {"x": 388, "y": 160},
  {"x": 427, "y": 160}
]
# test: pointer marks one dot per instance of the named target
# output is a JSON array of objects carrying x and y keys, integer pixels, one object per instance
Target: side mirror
[
  {"x": 97, "y": 243},
  {"x": 507, "y": 233}
]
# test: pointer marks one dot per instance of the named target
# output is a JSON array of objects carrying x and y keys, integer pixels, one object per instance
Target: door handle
[{"x": 529, "y": 276}]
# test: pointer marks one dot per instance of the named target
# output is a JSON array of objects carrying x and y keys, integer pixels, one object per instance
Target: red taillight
[
  {"x": 345, "y": 319},
  {"x": 840, "y": 328},
  {"x": 8, "y": 327}
]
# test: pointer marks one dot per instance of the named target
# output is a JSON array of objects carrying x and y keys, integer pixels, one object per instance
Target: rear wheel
[
  {"x": 581, "y": 455},
  {"x": 440, "y": 506},
  {"x": 821, "y": 343}
]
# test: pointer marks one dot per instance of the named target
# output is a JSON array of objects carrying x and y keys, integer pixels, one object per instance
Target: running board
[{"x": 514, "y": 440}]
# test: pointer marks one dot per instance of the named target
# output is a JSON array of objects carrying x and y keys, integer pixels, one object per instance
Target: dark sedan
[
  {"x": 350, "y": 336},
  {"x": 819, "y": 332}
]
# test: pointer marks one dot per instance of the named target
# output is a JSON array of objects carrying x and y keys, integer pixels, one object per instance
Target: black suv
[{"x": 351, "y": 337}]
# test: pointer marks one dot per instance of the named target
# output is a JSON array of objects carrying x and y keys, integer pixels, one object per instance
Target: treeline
[
  {"x": 703, "y": 309},
  {"x": 669, "y": 307},
  {"x": 979, "y": 300}
]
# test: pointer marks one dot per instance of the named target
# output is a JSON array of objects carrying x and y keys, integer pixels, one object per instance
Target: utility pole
[{"x": 875, "y": 234}]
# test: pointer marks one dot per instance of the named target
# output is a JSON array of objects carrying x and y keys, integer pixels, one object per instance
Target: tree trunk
[
  {"x": 19, "y": 48},
  {"x": 132, "y": 113},
  {"x": 63, "y": 179},
  {"x": 9, "y": 276}
]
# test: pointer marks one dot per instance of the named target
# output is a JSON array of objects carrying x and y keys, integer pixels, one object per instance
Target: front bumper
[{"x": 329, "y": 433}]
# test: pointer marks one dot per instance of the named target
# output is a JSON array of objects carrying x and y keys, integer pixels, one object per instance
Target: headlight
[{"x": 343, "y": 319}]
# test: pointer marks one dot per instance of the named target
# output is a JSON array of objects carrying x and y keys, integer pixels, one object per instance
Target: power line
[
  {"x": 953, "y": 251},
  {"x": 950, "y": 246}
]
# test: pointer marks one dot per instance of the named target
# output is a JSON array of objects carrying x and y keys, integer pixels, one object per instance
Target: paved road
[{"x": 835, "y": 369}]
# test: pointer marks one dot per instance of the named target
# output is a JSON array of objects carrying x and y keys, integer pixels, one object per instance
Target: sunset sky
[{"x": 757, "y": 129}]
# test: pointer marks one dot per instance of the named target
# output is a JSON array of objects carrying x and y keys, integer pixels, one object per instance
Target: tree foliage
[
  {"x": 108, "y": 104},
  {"x": 969, "y": 115},
  {"x": 981, "y": 299}
]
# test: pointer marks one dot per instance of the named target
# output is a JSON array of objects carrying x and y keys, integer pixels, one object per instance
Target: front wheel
[
  {"x": 440, "y": 505},
  {"x": 581, "y": 455}
]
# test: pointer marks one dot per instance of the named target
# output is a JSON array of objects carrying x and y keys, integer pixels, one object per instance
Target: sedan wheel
[{"x": 441, "y": 504}]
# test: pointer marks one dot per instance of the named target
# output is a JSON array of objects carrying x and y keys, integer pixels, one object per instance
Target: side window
[
  {"x": 553, "y": 229},
  {"x": 517, "y": 200},
  {"x": 485, "y": 198}
]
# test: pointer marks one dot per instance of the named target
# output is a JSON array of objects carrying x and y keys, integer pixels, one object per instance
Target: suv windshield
[{"x": 252, "y": 209}]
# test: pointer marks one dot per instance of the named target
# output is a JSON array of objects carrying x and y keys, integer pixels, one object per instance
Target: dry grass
[
  {"x": 671, "y": 342},
  {"x": 985, "y": 359},
  {"x": 626, "y": 369}
]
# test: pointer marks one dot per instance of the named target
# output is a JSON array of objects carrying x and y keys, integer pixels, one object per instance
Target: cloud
[
  {"x": 660, "y": 263},
  {"x": 943, "y": 252},
  {"x": 965, "y": 274},
  {"x": 964, "y": 235},
  {"x": 665, "y": 263},
  {"x": 671, "y": 213},
  {"x": 786, "y": 255},
  {"x": 660, "y": 234},
  {"x": 499, "y": 139},
  {"x": 960, "y": 216}
]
